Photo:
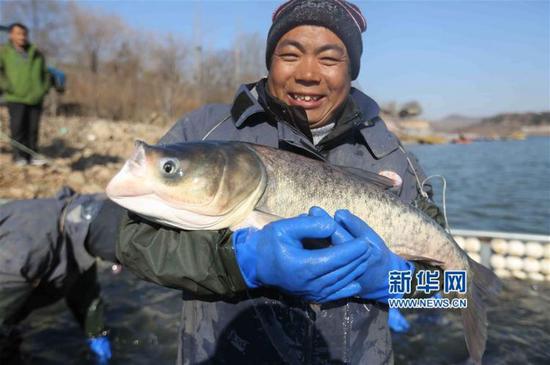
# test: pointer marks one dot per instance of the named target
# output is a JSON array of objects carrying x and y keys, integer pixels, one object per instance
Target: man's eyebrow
[
  {"x": 291, "y": 42},
  {"x": 331, "y": 46}
]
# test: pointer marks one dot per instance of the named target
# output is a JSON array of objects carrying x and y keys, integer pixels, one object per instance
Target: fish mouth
[
  {"x": 136, "y": 165},
  {"x": 137, "y": 160},
  {"x": 130, "y": 180},
  {"x": 126, "y": 184}
]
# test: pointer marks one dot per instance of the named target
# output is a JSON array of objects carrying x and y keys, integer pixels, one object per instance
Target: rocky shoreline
[{"x": 83, "y": 153}]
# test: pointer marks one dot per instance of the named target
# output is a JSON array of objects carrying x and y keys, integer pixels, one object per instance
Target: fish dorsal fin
[{"x": 371, "y": 177}]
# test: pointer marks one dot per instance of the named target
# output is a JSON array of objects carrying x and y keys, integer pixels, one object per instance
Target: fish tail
[{"x": 482, "y": 288}]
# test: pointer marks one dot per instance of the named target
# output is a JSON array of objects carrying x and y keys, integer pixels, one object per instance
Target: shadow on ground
[
  {"x": 84, "y": 163},
  {"x": 58, "y": 148}
]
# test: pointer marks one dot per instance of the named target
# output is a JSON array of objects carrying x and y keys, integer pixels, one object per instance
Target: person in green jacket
[{"x": 24, "y": 82}]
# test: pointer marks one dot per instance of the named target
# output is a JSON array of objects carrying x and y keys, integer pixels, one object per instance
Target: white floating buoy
[
  {"x": 514, "y": 263},
  {"x": 516, "y": 248},
  {"x": 498, "y": 262},
  {"x": 537, "y": 276},
  {"x": 547, "y": 250},
  {"x": 519, "y": 274},
  {"x": 471, "y": 244},
  {"x": 545, "y": 266},
  {"x": 475, "y": 257},
  {"x": 531, "y": 265},
  {"x": 534, "y": 249},
  {"x": 502, "y": 273},
  {"x": 460, "y": 241},
  {"x": 499, "y": 246}
]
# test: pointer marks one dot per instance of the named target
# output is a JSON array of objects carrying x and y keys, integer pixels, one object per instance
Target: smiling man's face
[{"x": 310, "y": 68}]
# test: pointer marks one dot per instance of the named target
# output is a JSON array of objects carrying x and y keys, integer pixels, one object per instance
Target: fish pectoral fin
[
  {"x": 256, "y": 219},
  {"x": 426, "y": 260}
]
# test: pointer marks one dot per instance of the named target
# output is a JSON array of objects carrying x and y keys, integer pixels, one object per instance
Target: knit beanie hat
[{"x": 341, "y": 17}]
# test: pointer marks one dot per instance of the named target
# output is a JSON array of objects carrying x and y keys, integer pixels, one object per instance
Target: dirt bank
[{"x": 84, "y": 154}]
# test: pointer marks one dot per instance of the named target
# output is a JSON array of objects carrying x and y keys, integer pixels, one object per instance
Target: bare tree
[
  {"x": 219, "y": 82},
  {"x": 389, "y": 108},
  {"x": 223, "y": 70},
  {"x": 249, "y": 57},
  {"x": 95, "y": 35},
  {"x": 169, "y": 70},
  {"x": 410, "y": 109},
  {"x": 117, "y": 72},
  {"x": 119, "y": 82}
]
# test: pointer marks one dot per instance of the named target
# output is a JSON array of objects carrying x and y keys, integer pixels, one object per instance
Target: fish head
[{"x": 187, "y": 185}]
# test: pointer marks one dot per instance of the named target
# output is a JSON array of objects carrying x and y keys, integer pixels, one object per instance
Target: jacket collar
[
  {"x": 246, "y": 103},
  {"x": 359, "y": 112},
  {"x": 373, "y": 130},
  {"x": 279, "y": 112},
  {"x": 253, "y": 99},
  {"x": 29, "y": 48},
  {"x": 367, "y": 106},
  {"x": 378, "y": 138}
]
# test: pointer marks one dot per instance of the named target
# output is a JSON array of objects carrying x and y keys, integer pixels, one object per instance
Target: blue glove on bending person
[
  {"x": 274, "y": 256},
  {"x": 397, "y": 322},
  {"x": 101, "y": 347}
]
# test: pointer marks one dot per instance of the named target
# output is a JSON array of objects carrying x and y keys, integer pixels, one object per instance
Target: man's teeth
[{"x": 305, "y": 97}]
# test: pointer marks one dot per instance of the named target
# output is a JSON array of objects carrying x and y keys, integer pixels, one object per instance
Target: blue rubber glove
[
  {"x": 397, "y": 321},
  {"x": 274, "y": 256},
  {"x": 101, "y": 347},
  {"x": 374, "y": 283}
]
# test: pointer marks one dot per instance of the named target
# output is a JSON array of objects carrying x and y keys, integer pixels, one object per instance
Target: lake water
[
  {"x": 502, "y": 186},
  {"x": 495, "y": 186},
  {"x": 498, "y": 186}
]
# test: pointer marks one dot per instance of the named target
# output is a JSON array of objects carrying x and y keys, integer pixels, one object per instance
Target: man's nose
[{"x": 308, "y": 71}]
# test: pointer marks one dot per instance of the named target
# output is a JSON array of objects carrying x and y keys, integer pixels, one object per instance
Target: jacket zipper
[{"x": 322, "y": 146}]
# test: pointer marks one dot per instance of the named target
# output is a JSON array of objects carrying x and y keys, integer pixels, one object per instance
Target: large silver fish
[{"x": 214, "y": 185}]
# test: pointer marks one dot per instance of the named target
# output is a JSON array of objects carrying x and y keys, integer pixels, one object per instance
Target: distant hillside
[
  {"x": 498, "y": 125},
  {"x": 507, "y": 123},
  {"x": 521, "y": 118},
  {"x": 454, "y": 122}
]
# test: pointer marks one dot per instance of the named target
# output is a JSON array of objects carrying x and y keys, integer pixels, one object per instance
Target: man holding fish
[{"x": 265, "y": 279}]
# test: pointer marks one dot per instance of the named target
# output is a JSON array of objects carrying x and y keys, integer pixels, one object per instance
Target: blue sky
[{"x": 475, "y": 58}]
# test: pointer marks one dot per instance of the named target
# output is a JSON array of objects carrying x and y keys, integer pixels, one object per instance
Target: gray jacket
[
  {"x": 264, "y": 326},
  {"x": 43, "y": 257}
]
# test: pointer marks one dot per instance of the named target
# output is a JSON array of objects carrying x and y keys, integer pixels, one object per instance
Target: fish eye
[{"x": 170, "y": 167}]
